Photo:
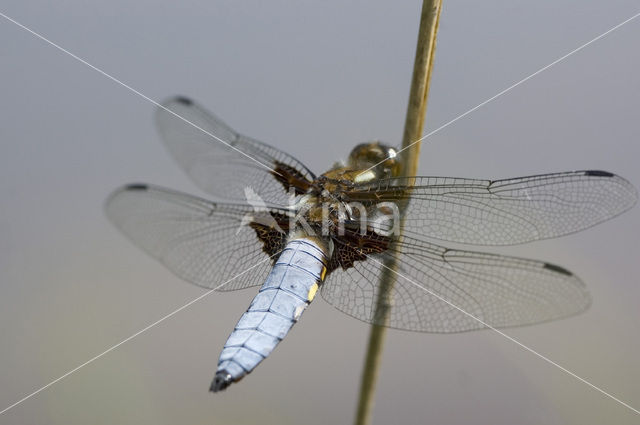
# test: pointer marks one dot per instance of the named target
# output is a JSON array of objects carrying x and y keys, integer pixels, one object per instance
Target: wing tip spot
[
  {"x": 557, "y": 269},
  {"x": 137, "y": 186},
  {"x": 184, "y": 100},
  {"x": 598, "y": 173}
]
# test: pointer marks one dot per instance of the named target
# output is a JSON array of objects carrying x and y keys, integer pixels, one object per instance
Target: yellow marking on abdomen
[{"x": 312, "y": 292}]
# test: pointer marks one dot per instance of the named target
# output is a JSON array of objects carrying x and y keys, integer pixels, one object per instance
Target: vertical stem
[
  {"x": 414, "y": 122},
  {"x": 422, "y": 67}
]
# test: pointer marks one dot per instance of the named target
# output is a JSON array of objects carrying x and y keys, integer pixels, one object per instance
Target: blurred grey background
[{"x": 313, "y": 78}]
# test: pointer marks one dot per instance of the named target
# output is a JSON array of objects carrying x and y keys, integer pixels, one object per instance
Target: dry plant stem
[{"x": 414, "y": 122}]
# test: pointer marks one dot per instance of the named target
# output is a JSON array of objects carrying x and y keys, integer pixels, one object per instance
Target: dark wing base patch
[
  {"x": 290, "y": 178},
  {"x": 353, "y": 246},
  {"x": 272, "y": 229}
]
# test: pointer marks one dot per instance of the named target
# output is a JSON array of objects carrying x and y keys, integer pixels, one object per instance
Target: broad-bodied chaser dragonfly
[{"x": 295, "y": 233}]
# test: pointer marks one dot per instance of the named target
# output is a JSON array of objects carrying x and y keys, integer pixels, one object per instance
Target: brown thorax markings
[{"x": 326, "y": 207}]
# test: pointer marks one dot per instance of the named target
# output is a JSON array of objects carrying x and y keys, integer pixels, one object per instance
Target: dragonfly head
[{"x": 376, "y": 159}]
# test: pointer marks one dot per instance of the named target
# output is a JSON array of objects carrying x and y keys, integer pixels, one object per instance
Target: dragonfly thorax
[
  {"x": 375, "y": 157},
  {"x": 366, "y": 162}
]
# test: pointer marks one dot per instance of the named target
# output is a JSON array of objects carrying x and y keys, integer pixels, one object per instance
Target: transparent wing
[
  {"x": 208, "y": 244},
  {"x": 503, "y": 212},
  {"x": 446, "y": 290},
  {"x": 221, "y": 161}
]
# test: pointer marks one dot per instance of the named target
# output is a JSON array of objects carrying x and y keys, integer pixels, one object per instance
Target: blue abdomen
[{"x": 288, "y": 290}]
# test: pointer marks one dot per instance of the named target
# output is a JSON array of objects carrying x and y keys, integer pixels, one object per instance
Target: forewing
[
  {"x": 208, "y": 244},
  {"x": 223, "y": 162},
  {"x": 446, "y": 290},
  {"x": 503, "y": 212}
]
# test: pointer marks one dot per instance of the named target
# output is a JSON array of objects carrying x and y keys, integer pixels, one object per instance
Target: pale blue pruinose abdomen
[{"x": 288, "y": 290}]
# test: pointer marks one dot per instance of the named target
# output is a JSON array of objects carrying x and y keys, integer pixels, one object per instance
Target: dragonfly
[{"x": 277, "y": 225}]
